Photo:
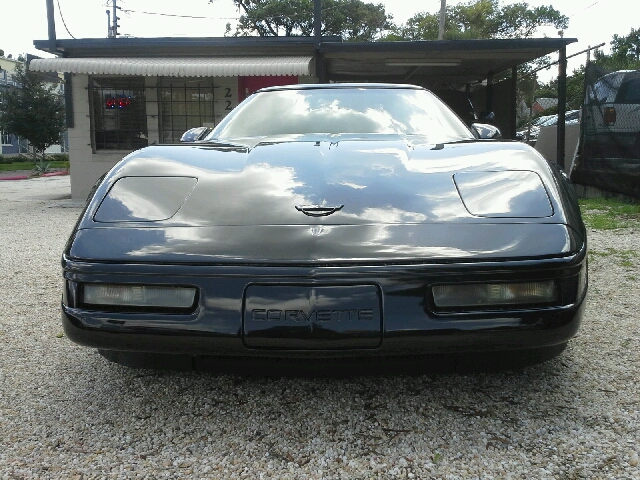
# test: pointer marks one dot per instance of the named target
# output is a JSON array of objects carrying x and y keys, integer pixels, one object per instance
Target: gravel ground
[{"x": 65, "y": 412}]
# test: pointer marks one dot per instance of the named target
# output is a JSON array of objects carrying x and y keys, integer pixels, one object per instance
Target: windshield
[{"x": 401, "y": 111}]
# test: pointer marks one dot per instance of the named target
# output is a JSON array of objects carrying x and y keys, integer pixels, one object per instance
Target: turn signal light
[
  {"x": 139, "y": 296},
  {"x": 483, "y": 295},
  {"x": 609, "y": 116}
]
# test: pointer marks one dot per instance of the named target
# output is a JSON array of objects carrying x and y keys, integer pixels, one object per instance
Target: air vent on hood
[
  {"x": 144, "y": 199},
  {"x": 505, "y": 194}
]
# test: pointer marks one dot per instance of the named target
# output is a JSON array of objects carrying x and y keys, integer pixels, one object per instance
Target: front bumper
[{"x": 408, "y": 325}]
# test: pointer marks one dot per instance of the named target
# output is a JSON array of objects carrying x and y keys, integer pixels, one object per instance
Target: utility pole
[
  {"x": 109, "y": 35},
  {"x": 113, "y": 29},
  {"x": 52, "y": 26},
  {"x": 443, "y": 10},
  {"x": 317, "y": 35}
]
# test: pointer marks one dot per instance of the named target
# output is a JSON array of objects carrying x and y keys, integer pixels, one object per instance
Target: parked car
[
  {"x": 612, "y": 116},
  {"x": 339, "y": 220},
  {"x": 531, "y": 133}
]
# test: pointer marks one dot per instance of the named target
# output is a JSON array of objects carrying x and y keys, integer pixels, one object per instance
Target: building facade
[{"x": 9, "y": 144}]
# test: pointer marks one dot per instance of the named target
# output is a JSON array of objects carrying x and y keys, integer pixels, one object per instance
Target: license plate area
[{"x": 313, "y": 317}]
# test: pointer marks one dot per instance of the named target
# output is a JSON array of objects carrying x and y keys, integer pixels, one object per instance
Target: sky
[{"x": 590, "y": 21}]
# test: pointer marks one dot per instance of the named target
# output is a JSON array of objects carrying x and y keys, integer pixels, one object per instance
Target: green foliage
[
  {"x": 353, "y": 20},
  {"x": 627, "y": 47},
  {"x": 482, "y": 19},
  {"x": 608, "y": 214},
  {"x": 41, "y": 169},
  {"x": 14, "y": 165},
  {"x": 58, "y": 157},
  {"x": 575, "y": 89},
  {"x": 546, "y": 91},
  {"x": 548, "y": 111},
  {"x": 32, "y": 111},
  {"x": 623, "y": 258},
  {"x": 625, "y": 53}
]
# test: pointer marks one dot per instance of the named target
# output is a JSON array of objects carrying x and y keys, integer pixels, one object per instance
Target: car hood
[
  {"x": 399, "y": 201},
  {"x": 341, "y": 182}
]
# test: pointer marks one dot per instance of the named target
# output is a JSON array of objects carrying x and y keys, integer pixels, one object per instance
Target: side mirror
[
  {"x": 485, "y": 131},
  {"x": 195, "y": 134}
]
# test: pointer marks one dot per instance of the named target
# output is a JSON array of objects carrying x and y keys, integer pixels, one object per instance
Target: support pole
[
  {"x": 489, "y": 98},
  {"x": 562, "y": 106},
  {"x": 317, "y": 22},
  {"x": 51, "y": 23},
  {"x": 514, "y": 102},
  {"x": 114, "y": 21},
  {"x": 317, "y": 35},
  {"x": 443, "y": 11}
]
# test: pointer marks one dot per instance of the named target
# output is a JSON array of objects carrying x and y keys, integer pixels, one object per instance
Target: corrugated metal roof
[{"x": 180, "y": 66}]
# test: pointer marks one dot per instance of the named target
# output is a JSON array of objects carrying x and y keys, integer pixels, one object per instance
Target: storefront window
[
  {"x": 194, "y": 102},
  {"x": 119, "y": 113}
]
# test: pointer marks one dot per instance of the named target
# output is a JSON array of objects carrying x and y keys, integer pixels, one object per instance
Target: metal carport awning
[{"x": 180, "y": 67}]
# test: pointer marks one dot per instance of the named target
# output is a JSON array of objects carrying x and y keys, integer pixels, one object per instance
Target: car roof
[{"x": 338, "y": 86}]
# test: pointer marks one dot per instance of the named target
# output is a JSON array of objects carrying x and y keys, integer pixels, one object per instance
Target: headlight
[
  {"x": 140, "y": 296},
  {"x": 494, "y": 294}
]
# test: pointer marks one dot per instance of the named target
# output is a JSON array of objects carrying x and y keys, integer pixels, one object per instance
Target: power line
[
  {"x": 585, "y": 8},
  {"x": 63, "y": 22},
  {"x": 126, "y": 10},
  {"x": 295, "y": 15}
]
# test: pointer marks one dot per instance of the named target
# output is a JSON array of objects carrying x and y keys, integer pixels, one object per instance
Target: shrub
[{"x": 58, "y": 157}]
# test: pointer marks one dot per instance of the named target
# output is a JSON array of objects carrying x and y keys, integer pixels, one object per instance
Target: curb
[{"x": 28, "y": 177}]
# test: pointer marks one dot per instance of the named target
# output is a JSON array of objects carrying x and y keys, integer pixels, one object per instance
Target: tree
[
  {"x": 625, "y": 53},
  {"x": 482, "y": 19},
  {"x": 627, "y": 47},
  {"x": 32, "y": 111},
  {"x": 353, "y": 20}
]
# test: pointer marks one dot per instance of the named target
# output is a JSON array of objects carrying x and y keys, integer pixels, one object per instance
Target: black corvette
[{"x": 322, "y": 221}]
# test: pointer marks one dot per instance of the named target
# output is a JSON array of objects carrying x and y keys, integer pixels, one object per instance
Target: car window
[
  {"x": 460, "y": 103},
  {"x": 606, "y": 88},
  {"x": 629, "y": 90},
  {"x": 343, "y": 110}
]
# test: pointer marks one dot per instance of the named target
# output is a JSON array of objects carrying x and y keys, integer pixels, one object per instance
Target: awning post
[
  {"x": 562, "y": 106},
  {"x": 513, "y": 113}
]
